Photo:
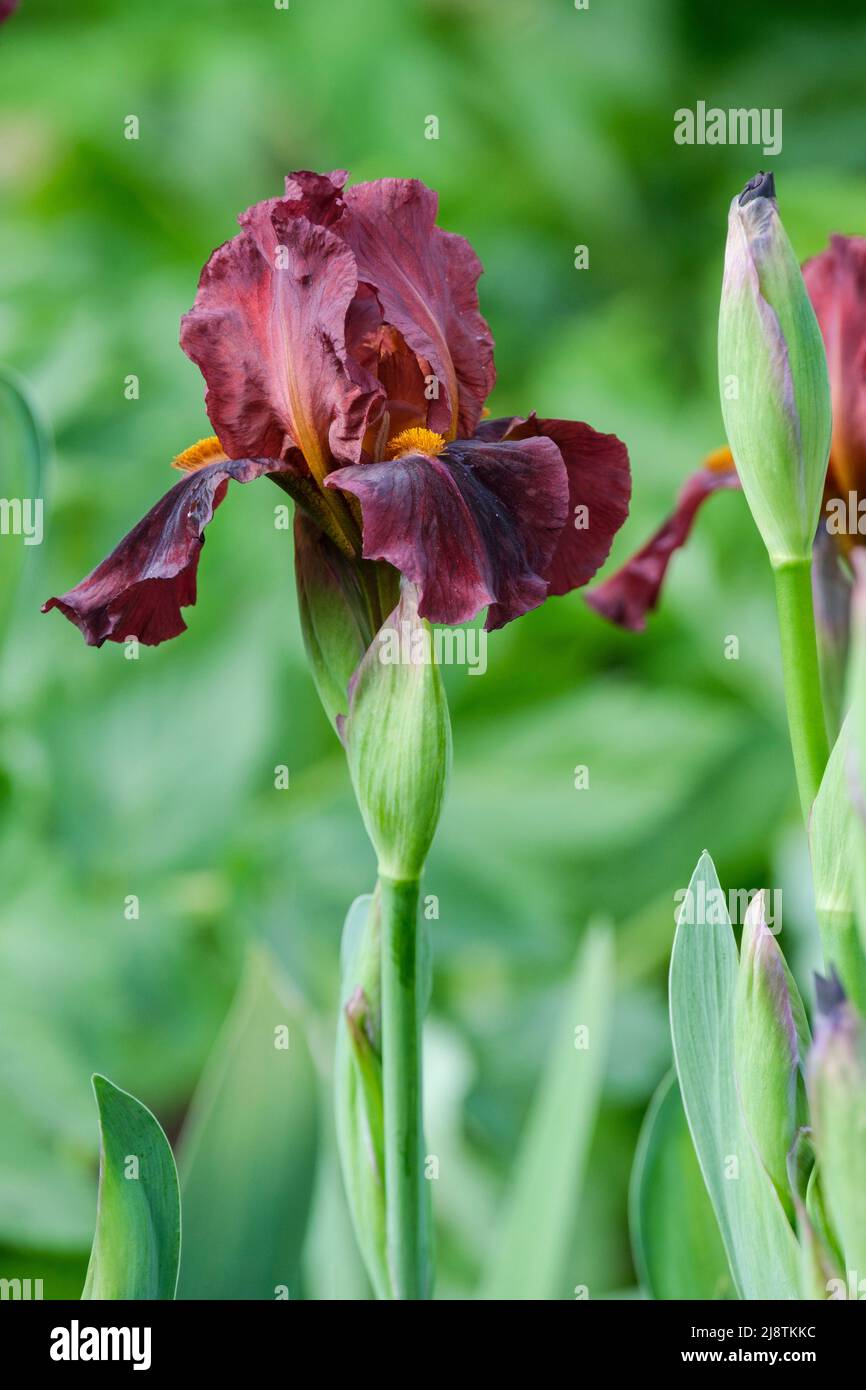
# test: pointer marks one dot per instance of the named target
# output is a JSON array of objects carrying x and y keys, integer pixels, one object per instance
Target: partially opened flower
[
  {"x": 836, "y": 281},
  {"x": 836, "y": 284},
  {"x": 345, "y": 357}
]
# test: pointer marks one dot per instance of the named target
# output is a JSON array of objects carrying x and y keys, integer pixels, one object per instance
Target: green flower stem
[
  {"x": 802, "y": 680},
  {"x": 405, "y": 1197}
]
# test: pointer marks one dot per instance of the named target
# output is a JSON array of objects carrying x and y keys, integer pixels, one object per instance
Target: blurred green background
[{"x": 155, "y": 777}]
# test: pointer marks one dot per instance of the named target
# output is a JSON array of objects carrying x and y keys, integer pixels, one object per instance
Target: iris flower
[
  {"x": 836, "y": 283},
  {"x": 345, "y": 358}
]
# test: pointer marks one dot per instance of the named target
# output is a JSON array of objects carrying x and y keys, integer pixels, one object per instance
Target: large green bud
[
  {"x": 398, "y": 740},
  {"x": 770, "y": 1038},
  {"x": 334, "y": 623},
  {"x": 772, "y": 376}
]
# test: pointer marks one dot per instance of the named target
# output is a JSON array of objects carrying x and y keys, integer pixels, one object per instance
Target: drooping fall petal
[
  {"x": 139, "y": 590},
  {"x": 599, "y": 489},
  {"x": 425, "y": 280},
  {"x": 633, "y": 591},
  {"x": 267, "y": 330},
  {"x": 475, "y": 525},
  {"x": 836, "y": 282}
]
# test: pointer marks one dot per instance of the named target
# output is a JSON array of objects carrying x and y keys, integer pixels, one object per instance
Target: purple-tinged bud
[
  {"x": 772, "y": 376},
  {"x": 836, "y": 1079},
  {"x": 770, "y": 1036}
]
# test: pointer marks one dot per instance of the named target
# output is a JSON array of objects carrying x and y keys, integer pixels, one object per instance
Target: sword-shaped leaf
[
  {"x": 136, "y": 1247},
  {"x": 760, "y": 1244}
]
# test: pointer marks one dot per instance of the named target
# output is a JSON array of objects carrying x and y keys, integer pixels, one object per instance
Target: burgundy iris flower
[
  {"x": 836, "y": 283},
  {"x": 345, "y": 358}
]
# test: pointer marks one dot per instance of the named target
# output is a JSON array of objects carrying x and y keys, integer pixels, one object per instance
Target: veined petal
[
  {"x": 599, "y": 490},
  {"x": 383, "y": 352},
  {"x": 318, "y": 197},
  {"x": 836, "y": 282},
  {"x": 472, "y": 526},
  {"x": 267, "y": 330},
  {"x": 633, "y": 591},
  {"x": 139, "y": 590},
  {"x": 425, "y": 279}
]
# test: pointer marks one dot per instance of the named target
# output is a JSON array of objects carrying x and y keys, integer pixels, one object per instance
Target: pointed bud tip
[
  {"x": 829, "y": 994},
  {"x": 762, "y": 185}
]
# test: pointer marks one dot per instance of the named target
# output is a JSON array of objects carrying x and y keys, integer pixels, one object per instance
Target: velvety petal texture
[
  {"x": 633, "y": 591},
  {"x": 475, "y": 525},
  {"x": 344, "y": 353},
  {"x": 599, "y": 491},
  {"x": 836, "y": 282},
  {"x": 267, "y": 330},
  {"x": 151, "y": 575},
  {"x": 425, "y": 280}
]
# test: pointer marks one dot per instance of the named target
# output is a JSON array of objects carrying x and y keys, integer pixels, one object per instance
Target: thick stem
[
  {"x": 802, "y": 680},
  {"x": 406, "y": 1213}
]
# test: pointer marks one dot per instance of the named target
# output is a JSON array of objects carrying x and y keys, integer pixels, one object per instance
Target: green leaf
[
  {"x": 248, "y": 1151},
  {"x": 530, "y": 1258},
  {"x": 677, "y": 1247},
  {"x": 760, "y": 1244},
  {"x": 136, "y": 1247},
  {"x": 834, "y": 843}
]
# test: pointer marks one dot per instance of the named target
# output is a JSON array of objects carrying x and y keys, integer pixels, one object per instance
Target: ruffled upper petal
[
  {"x": 139, "y": 590},
  {"x": 425, "y": 279},
  {"x": 836, "y": 282},
  {"x": 267, "y": 330},
  {"x": 472, "y": 526},
  {"x": 632, "y": 592}
]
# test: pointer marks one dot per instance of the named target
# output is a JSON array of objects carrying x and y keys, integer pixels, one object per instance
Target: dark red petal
[
  {"x": 267, "y": 330},
  {"x": 491, "y": 430},
  {"x": 151, "y": 575},
  {"x": 315, "y": 196},
  {"x": 476, "y": 525},
  {"x": 598, "y": 480},
  {"x": 633, "y": 591},
  {"x": 384, "y": 353},
  {"x": 836, "y": 281},
  {"x": 425, "y": 279}
]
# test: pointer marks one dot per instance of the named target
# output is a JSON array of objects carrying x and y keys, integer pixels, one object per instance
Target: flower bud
[
  {"x": 770, "y": 1030},
  {"x": 398, "y": 740},
  {"x": 836, "y": 1077},
  {"x": 331, "y": 611},
  {"x": 772, "y": 376},
  {"x": 359, "y": 1101}
]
